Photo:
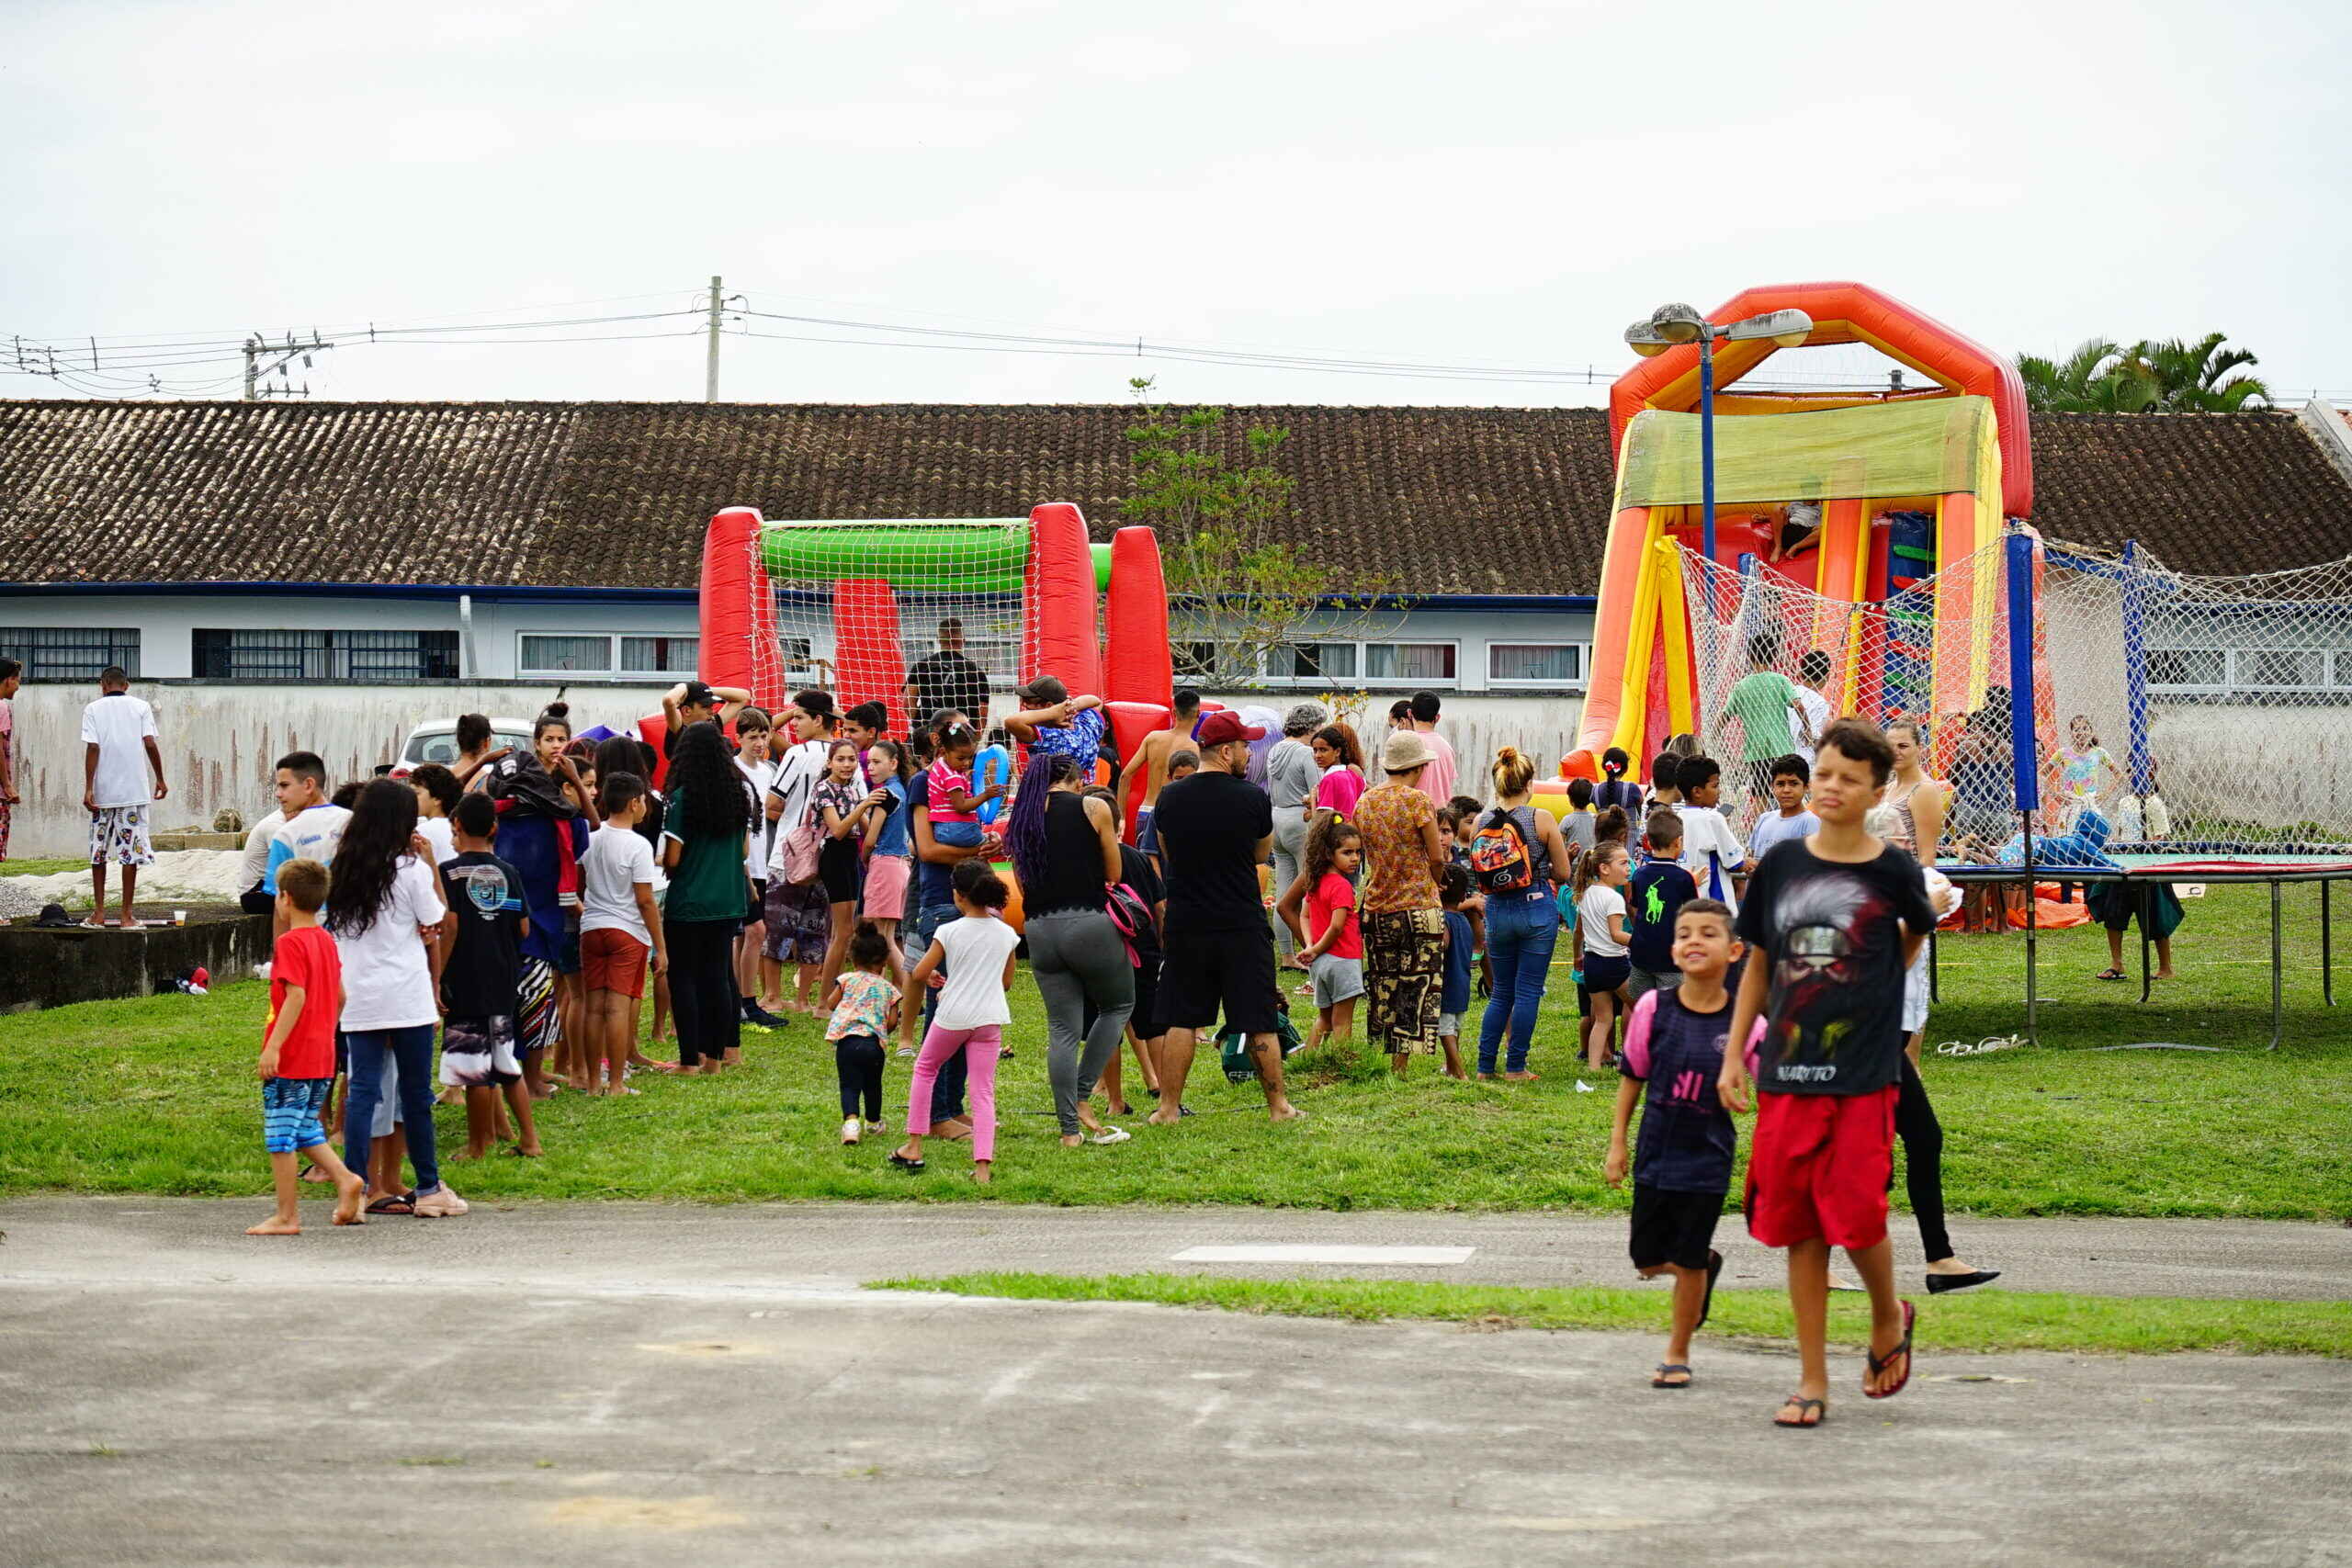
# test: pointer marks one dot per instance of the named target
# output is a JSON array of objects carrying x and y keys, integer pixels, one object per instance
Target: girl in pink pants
[{"x": 974, "y": 953}]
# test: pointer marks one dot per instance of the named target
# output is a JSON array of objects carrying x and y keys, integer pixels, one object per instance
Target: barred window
[
  {"x": 265, "y": 655},
  {"x": 71, "y": 653}
]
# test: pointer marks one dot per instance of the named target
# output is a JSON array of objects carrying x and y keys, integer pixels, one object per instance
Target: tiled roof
[{"x": 1433, "y": 501}]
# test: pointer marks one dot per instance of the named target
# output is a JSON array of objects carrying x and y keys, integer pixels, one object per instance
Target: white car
[{"x": 436, "y": 740}]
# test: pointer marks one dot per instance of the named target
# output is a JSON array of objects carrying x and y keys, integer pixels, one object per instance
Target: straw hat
[{"x": 1404, "y": 750}]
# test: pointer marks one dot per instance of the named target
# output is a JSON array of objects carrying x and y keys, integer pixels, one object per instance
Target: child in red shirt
[
  {"x": 1331, "y": 948},
  {"x": 296, "y": 1065}
]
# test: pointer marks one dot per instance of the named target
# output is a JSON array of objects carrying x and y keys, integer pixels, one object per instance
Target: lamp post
[{"x": 1671, "y": 325}]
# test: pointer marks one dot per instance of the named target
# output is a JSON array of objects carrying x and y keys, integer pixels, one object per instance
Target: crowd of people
[{"x": 528, "y": 902}]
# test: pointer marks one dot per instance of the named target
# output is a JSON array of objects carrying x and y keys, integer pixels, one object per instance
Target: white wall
[
  {"x": 220, "y": 742},
  {"x": 165, "y": 621}
]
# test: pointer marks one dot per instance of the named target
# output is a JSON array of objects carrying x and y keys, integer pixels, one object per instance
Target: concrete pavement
[
  {"x": 98, "y": 1240},
  {"x": 587, "y": 1386}
]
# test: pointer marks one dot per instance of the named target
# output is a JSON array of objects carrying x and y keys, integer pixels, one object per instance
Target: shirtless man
[{"x": 1152, "y": 757}]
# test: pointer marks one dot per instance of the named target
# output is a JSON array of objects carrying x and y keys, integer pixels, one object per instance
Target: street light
[{"x": 1670, "y": 326}]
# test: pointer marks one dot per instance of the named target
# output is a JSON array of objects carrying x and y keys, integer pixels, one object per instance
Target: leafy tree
[
  {"x": 2101, "y": 377},
  {"x": 1241, "y": 589}
]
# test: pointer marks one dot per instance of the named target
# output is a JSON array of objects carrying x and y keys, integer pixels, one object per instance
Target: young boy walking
[
  {"x": 117, "y": 750},
  {"x": 1835, "y": 920},
  {"x": 479, "y": 992},
  {"x": 1674, "y": 1053},
  {"x": 297, "y": 1064},
  {"x": 621, "y": 939},
  {"x": 1711, "y": 851}
]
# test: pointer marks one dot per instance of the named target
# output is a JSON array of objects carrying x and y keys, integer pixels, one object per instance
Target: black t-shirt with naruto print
[{"x": 1832, "y": 935}]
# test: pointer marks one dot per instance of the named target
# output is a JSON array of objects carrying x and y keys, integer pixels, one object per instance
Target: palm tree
[
  {"x": 2195, "y": 378},
  {"x": 2098, "y": 377},
  {"x": 2172, "y": 377}
]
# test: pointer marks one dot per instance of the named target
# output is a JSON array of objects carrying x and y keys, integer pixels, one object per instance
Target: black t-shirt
[
  {"x": 1137, "y": 871},
  {"x": 485, "y": 899},
  {"x": 1833, "y": 934},
  {"x": 1209, "y": 825},
  {"x": 948, "y": 680},
  {"x": 1659, "y": 889}
]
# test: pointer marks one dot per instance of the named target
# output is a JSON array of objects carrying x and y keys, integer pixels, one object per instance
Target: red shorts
[
  {"x": 1819, "y": 1168},
  {"x": 612, "y": 960}
]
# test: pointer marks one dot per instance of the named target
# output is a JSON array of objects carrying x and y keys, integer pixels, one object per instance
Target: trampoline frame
[{"x": 2144, "y": 877}]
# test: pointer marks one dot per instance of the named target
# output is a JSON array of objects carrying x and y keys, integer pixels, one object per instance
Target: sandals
[
  {"x": 2110, "y": 975},
  {"x": 1707, "y": 1301},
  {"x": 1659, "y": 1379},
  {"x": 903, "y": 1163},
  {"x": 1880, "y": 1363},
  {"x": 394, "y": 1203},
  {"x": 1800, "y": 1404}
]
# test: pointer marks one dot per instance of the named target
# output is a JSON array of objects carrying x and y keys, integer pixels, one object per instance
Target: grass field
[
  {"x": 157, "y": 1096},
  {"x": 2002, "y": 1320}
]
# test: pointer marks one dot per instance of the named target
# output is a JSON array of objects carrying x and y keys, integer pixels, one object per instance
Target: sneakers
[
  {"x": 850, "y": 1131},
  {"x": 441, "y": 1203},
  {"x": 881, "y": 1126},
  {"x": 759, "y": 1017}
]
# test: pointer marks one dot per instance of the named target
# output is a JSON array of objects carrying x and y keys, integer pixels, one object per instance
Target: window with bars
[
  {"x": 611, "y": 655},
  {"x": 71, "y": 653},
  {"x": 253, "y": 654}
]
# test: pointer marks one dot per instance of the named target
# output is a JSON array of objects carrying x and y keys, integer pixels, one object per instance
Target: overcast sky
[{"x": 1484, "y": 185}]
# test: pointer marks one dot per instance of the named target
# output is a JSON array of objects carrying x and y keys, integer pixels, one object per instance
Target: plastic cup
[{"x": 179, "y": 916}]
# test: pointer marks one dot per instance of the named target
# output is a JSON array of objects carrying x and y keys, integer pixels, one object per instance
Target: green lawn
[
  {"x": 157, "y": 1096},
  {"x": 49, "y": 867},
  {"x": 1999, "y": 1320}
]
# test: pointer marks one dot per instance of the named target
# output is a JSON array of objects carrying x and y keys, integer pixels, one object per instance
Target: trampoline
[{"x": 2145, "y": 865}]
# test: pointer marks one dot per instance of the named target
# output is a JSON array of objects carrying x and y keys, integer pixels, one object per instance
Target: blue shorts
[
  {"x": 289, "y": 1113},
  {"x": 1146, "y": 833}
]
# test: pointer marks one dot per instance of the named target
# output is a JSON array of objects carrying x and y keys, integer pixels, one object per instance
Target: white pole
[{"x": 710, "y": 368}]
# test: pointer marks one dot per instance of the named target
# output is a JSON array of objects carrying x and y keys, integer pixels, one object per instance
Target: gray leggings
[
  {"x": 1078, "y": 956},
  {"x": 1290, "y": 859}
]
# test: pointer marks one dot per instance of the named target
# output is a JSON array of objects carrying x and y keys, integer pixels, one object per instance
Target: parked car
[{"x": 436, "y": 740}]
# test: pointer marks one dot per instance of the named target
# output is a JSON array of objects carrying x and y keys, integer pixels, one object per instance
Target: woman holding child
[{"x": 1403, "y": 919}]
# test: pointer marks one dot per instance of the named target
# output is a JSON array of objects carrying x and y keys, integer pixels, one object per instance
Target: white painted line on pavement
[{"x": 1400, "y": 1256}]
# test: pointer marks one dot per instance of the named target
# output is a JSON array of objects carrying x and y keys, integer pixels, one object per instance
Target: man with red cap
[{"x": 1216, "y": 828}]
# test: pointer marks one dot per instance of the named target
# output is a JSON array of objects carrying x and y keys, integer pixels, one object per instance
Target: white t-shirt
[
  {"x": 313, "y": 833},
  {"x": 387, "y": 978},
  {"x": 1772, "y": 828},
  {"x": 1816, "y": 714},
  {"x": 618, "y": 863},
  {"x": 974, "y": 994},
  {"x": 1600, "y": 902},
  {"x": 762, "y": 838},
  {"x": 263, "y": 834},
  {"x": 1706, "y": 834},
  {"x": 436, "y": 831},
  {"x": 116, "y": 724}
]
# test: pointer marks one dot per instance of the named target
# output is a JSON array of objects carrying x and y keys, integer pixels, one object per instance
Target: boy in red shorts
[{"x": 1834, "y": 919}]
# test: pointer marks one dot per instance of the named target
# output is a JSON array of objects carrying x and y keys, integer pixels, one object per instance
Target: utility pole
[
  {"x": 710, "y": 368},
  {"x": 256, "y": 348}
]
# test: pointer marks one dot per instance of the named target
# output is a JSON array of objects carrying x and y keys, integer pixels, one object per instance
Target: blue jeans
[
  {"x": 947, "y": 1092},
  {"x": 1520, "y": 937},
  {"x": 412, "y": 1050}
]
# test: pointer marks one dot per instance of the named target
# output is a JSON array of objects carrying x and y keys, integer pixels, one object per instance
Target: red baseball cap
[{"x": 1225, "y": 725}]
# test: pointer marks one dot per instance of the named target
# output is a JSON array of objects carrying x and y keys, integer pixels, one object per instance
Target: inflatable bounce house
[
  {"x": 1846, "y": 498},
  {"x": 854, "y": 606}
]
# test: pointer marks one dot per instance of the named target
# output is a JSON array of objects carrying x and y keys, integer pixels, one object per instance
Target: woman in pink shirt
[{"x": 1340, "y": 756}]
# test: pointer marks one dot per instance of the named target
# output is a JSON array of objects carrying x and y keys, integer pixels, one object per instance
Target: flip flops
[
  {"x": 903, "y": 1163},
  {"x": 1659, "y": 1379},
  {"x": 400, "y": 1203},
  {"x": 2110, "y": 975},
  {"x": 1800, "y": 1404},
  {"x": 1880, "y": 1363}
]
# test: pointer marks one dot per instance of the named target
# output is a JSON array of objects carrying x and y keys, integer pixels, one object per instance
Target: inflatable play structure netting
[{"x": 1852, "y": 497}]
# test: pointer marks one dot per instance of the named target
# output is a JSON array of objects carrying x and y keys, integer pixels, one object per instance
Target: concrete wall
[
  {"x": 54, "y": 968},
  {"x": 219, "y": 741}
]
